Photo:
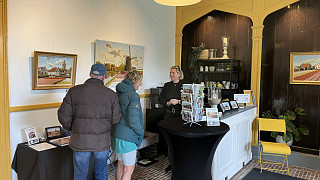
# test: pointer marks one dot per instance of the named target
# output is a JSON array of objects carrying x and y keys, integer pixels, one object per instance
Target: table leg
[{"x": 192, "y": 157}]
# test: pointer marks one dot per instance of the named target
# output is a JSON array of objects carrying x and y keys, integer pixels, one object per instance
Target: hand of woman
[{"x": 174, "y": 101}]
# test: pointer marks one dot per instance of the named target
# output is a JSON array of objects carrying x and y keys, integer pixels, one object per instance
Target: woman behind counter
[
  {"x": 129, "y": 132},
  {"x": 170, "y": 96}
]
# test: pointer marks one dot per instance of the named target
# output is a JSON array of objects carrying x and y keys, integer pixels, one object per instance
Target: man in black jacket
[{"x": 89, "y": 110}]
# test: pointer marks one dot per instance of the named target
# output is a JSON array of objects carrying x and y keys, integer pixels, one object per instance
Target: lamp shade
[{"x": 177, "y": 2}]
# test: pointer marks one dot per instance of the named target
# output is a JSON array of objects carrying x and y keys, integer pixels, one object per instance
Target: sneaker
[{"x": 168, "y": 169}]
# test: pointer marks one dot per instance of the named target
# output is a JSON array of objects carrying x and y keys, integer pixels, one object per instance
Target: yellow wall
[
  {"x": 256, "y": 10},
  {"x": 5, "y": 168}
]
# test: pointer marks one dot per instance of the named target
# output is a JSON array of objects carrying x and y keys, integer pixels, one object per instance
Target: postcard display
[{"x": 192, "y": 103}]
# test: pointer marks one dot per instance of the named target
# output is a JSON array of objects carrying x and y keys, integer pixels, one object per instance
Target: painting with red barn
[{"x": 305, "y": 68}]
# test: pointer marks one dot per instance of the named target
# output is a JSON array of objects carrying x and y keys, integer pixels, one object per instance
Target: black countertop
[
  {"x": 231, "y": 113},
  {"x": 177, "y": 126}
]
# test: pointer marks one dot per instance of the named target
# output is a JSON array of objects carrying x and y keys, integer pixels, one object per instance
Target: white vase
[{"x": 279, "y": 139}]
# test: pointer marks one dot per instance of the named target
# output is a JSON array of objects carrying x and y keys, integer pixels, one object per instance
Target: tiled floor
[
  {"x": 295, "y": 171},
  {"x": 156, "y": 171},
  {"x": 153, "y": 172}
]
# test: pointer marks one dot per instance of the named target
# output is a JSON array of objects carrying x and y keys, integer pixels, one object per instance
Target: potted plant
[
  {"x": 293, "y": 132},
  {"x": 192, "y": 61}
]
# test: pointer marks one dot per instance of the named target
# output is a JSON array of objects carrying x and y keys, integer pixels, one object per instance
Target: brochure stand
[{"x": 192, "y": 103}]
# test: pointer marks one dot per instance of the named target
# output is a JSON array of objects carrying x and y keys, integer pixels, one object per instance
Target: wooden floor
[{"x": 156, "y": 171}]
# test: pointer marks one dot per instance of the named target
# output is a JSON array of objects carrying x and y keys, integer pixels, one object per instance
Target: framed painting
[
  {"x": 305, "y": 68},
  {"x": 53, "y": 132},
  {"x": 53, "y": 70},
  {"x": 32, "y": 136},
  {"x": 119, "y": 58}
]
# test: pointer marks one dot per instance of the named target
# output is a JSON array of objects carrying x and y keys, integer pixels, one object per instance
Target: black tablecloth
[
  {"x": 177, "y": 126},
  {"x": 56, "y": 163},
  {"x": 192, "y": 148}
]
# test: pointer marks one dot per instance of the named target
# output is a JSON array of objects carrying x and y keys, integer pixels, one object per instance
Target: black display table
[
  {"x": 56, "y": 163},
  {"x": 191, "y": 148}
]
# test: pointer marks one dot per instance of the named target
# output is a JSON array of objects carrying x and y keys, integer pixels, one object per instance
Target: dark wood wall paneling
[
  {"x": 209, "y": 29},
  {"x": 294, "y": 29}
]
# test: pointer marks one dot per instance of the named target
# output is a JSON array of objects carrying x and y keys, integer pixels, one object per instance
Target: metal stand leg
[{"x": 109, "y": 158}]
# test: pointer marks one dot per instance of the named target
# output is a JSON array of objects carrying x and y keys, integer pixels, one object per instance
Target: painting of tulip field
[{"x": 305, "y": 68}]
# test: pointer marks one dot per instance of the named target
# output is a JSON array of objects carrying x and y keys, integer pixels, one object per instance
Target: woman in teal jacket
[{"x": 128, "y": 134}]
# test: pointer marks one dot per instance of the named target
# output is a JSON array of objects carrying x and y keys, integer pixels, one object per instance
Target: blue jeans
[{"x": 81, "y": 164}]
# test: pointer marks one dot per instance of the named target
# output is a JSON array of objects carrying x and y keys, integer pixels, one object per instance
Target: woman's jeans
[{"x": 81, "y": 164}]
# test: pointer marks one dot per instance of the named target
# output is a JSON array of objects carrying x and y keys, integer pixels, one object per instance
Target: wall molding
[
  {"x": 47, "y": 106},
  {"x": 34, "y": 107}
]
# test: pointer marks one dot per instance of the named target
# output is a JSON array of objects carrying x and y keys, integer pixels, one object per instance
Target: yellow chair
[{"x": 272, "y": 148}]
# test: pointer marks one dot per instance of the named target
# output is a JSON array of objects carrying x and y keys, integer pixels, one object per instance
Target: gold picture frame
[
  {"x": 53, "y": 70},
  {"x": 305, "y": 68}
]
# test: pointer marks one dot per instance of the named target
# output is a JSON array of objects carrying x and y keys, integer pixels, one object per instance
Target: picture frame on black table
[
  {"x": 54, "y": 132},
  {"x": 32, "y": 136},
  {"x": 212, "y": 115}
]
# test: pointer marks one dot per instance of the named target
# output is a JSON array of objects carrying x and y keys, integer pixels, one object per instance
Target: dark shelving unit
[{"x": 225, "y": 70}]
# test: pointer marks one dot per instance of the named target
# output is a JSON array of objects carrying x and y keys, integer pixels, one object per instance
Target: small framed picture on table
[
  {"x": 212, "y": 117},
  {"x": 234, "y": 105},
  {"x": 252, "y": 98},
  {"x": 32, "y": 136},
  {"x": 221, "y": 108},
  {"x": 242, "y": 99},
  {"x": 226, "y": 106},
  {"x": 54, "y": 132}
]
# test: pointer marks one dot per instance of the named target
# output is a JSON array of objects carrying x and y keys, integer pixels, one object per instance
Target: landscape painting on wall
[
  {"x": 54, "y": 70},
  {"x": 118, "y": 58},
  {"x": 305, "y": 68}
]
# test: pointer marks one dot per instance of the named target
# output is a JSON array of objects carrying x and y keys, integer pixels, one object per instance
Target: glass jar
[
  {"x": 228, "y": 67},
  {"x": 220, "y": 67}
]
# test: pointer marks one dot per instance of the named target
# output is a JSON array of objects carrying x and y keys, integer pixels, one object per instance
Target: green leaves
[
  {"x": 274, "y": 134},
  {"x": 292, "y": 130},
  {"x": 267, "y": 114},
  {"x": 290, "y": 115},
  {"x": 304, "y": 130},
  {"x": 300, "y": 111},
  {"x": 290, "y": 126},
  {"x": 287, "y": 137},
  {"x": 192, "y": 61},
  {"x": 297, "y": 138}
]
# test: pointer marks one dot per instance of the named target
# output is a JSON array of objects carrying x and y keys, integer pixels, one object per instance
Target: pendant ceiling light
[{"x": 177, "y": 2}]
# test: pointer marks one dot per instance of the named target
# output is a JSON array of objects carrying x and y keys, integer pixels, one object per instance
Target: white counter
[{"x": 234, "y": 150}]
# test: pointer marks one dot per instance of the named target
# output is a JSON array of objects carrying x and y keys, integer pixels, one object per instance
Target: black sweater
[{"x": 171, "y": 91}]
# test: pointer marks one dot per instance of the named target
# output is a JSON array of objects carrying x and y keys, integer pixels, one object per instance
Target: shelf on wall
[
  {"x": 218, "y": 60},
  {"x": 230, "y": 74},
  {"x": 225, "y": 72}
]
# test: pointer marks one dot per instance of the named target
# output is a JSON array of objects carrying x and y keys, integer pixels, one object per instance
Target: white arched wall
[{"x": 71, "y": 27}]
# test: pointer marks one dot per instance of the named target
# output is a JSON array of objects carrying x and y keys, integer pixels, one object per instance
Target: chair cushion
[{"x": 277, "y": 148}]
